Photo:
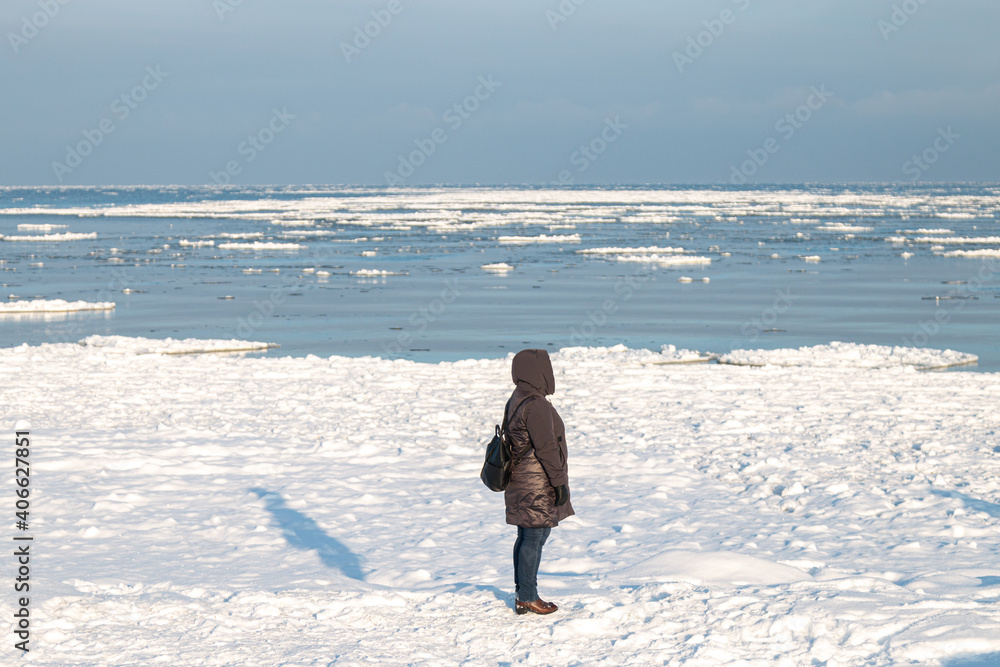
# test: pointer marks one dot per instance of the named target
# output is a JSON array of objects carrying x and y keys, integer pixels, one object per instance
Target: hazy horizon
[{"x": 520, "y": 93}]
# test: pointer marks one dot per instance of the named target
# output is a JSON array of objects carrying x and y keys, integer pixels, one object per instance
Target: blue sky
[{"x": 581, "y": 91}]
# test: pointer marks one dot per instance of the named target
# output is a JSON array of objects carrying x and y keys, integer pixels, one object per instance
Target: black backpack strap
[
  {"x": 528, "y": 398},
  {"x": 505, "y": 429}
]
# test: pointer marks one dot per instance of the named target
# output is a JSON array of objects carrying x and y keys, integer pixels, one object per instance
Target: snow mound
[
  {"x": 724, "y": 568},
  {"x": 53, "y": 306},
  {"x": 66, "y": 236},
  {"x": 619, "y": 355},
  {"x": 127, "y": 345},
  {"x": 850, "y": 355}
]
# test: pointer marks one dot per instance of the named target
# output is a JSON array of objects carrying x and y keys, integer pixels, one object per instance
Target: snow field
[{"x": 285, "y": 511}]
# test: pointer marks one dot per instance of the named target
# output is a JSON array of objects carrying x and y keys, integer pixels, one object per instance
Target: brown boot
[{"x": 539, "y": 606}]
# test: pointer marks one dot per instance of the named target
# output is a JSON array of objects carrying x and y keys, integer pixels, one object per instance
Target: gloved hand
[{"x": 562, "y": 495}]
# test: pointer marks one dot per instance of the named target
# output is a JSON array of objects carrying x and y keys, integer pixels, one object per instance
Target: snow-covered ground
[
  {"x": 222, "y": 510},
  {"x": 851, "y": 355}
]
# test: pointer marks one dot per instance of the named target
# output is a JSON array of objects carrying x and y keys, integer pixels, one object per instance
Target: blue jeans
[{"x": 527, "y": 558}]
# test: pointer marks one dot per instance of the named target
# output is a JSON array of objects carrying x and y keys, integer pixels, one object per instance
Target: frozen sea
[
  {"x": 319, "y": 504},
  {"x": 397, "y": 272}
]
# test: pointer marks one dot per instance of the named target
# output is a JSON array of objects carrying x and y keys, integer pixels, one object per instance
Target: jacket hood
[{"x": 534, "y": 368}]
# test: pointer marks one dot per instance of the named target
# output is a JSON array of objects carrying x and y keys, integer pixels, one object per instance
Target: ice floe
[
  {"x": 984, "y": 240},
  {"x": 31, "y": 227},
  {"x": 541, "y": 238},
  {"x": 53, "y": 306},
  {"x": 260, "y": 245},
  {"x": 622, "y": 355},
  {"x": 626, "y": 251},
  {"x": 983, "y": 252},
  {"x": 850, "y": 355},
  {"x": 47, "y": 238},
  {"x": 664, "y": 260},
  {"x": 376, "y": 272},
  {"x": 844, "y": 227},
  {"x": 171, "y": 346}
]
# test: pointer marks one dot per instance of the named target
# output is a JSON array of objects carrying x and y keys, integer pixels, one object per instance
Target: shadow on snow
[
  {"x": 304, "y": 533},
  {"x": 972, "y": 503},
  {"x": 990, "y": 660}
]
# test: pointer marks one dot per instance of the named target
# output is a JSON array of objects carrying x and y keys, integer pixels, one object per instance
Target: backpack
[{"x": 499, "y": 461}]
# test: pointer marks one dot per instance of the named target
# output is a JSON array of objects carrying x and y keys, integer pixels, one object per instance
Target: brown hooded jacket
[{"x": 538, "y": 443}]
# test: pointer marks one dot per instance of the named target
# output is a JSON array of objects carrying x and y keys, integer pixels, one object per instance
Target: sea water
[{"x": 397, "y": 272}]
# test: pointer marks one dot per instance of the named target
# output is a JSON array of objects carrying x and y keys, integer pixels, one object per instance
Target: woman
[{"x": 537, "y": 498}]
